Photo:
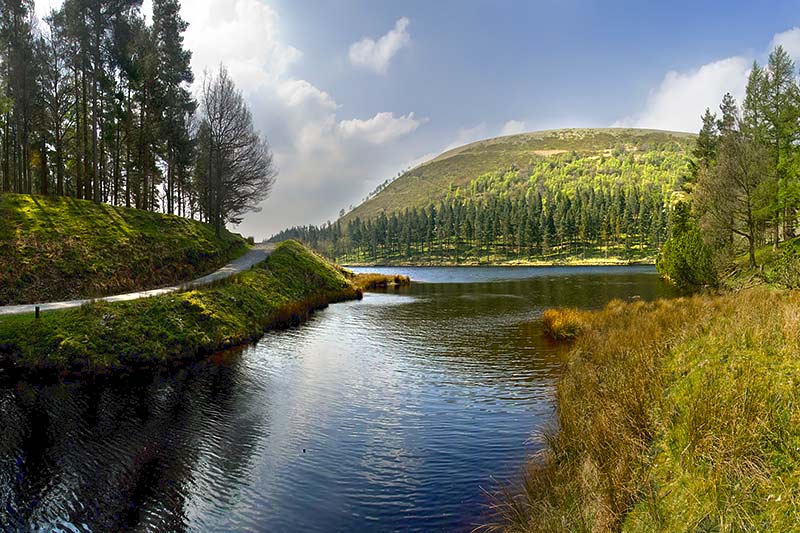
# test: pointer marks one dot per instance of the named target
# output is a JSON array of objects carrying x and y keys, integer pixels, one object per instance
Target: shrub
[
  {"x": 685, "y": 259},
  {"x": 563, "y": 324}
]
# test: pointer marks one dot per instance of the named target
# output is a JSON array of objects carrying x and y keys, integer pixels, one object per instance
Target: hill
[
  {"x": 558, "y": 195},
  {"x": 457, "y": 168},
  {"x": 61, "y": 248}
]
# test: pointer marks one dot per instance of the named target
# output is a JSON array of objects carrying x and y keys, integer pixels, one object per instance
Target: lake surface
[{"x": 394, "y": 413}]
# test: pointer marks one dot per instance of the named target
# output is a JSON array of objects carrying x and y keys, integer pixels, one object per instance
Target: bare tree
[{"x": 235, "y": 167}]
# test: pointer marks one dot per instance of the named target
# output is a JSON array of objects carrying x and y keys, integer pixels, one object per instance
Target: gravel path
[{"x": 256, "y": 255}]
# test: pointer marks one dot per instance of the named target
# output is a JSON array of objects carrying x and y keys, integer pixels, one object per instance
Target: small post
[{"x": 37, "y": 312}]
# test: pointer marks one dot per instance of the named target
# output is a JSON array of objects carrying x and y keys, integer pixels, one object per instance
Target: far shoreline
[{"x": 510, "y": 264}]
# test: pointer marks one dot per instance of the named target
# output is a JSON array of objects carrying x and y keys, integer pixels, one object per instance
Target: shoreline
[
  {"x": 511, "y": 264},
  {"x": 643, "y": 438},
  {"x": 175, "y": 329}
]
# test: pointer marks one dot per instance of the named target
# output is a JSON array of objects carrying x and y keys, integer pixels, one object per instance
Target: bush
[
  {"x": 562, "y": 324},
  {"x": 685, "y": 259}
]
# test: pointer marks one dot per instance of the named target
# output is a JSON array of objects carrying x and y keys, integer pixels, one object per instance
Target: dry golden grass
[
  {"x": 679, "y": 415},
  {"x": 368, "y": 282},
  {"x": 563, "y": 324}
]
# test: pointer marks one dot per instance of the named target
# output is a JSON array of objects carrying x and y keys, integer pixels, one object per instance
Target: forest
[
  {"x": 571, "y": 205},
  {"x": 96, "y": 103},
  {"x": 743, "y": 192}
]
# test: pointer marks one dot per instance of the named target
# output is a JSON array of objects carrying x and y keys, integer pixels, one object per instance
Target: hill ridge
[{"x": 550, "y": 141}]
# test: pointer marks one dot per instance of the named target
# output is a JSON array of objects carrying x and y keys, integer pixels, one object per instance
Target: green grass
[
  {"x": 61, "y": 248},
  {"x": 776, "y": 267},
  {"x": 160, "y": 330},
  {"x": 678, "y": 415},
  {"x": 432, "y": 181}
]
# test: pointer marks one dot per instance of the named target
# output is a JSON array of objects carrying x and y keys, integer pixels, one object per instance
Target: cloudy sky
[{"x": 349, "y": 92}]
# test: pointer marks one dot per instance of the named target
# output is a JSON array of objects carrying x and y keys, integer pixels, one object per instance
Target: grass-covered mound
[
  {"x": 60, "y": 248},
  {"x": 561, "y": 159},
  {"x": 677, "y": 415},
  {"x": 283, "y": 290}
]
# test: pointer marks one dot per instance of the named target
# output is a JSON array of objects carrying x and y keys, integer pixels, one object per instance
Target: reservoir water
[{"x": 398, "y": 412}]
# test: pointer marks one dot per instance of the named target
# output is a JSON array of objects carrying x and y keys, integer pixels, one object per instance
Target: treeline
[
  {"x": 541, "y": 224},
  {"x": 95, "y": 103},
  {"x": 745, "y": 191},
  {"x": 587, "y": 205}
]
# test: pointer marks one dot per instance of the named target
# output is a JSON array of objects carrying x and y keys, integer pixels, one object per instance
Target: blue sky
[{"x": 349, "y": 92}]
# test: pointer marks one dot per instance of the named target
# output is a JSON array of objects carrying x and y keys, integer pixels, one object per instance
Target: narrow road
[{"x": 256, "y": 255}]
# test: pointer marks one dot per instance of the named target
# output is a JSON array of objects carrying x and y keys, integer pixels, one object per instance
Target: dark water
[{"x": 394, "y": 413}]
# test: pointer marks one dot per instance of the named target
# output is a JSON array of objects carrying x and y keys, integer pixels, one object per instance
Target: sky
[{"x": 350, "y": 92}]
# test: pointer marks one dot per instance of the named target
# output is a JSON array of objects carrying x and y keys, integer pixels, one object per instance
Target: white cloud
[
  {"x": 379, "y": 129},
  {"x": 512, "y": 127},
  {"x": 468, "y": 135},
  {"x": 243, "y": 35},
  {"x": 376, "y": 56},
  {"x": 682, "y": 97},
  {"x": 790, "y": 40}
]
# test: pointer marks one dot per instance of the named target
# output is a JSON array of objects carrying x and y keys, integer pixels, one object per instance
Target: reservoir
[{"x": 399, "y": 412}]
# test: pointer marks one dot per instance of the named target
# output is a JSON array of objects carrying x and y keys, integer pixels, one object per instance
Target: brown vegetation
[
  {"x": 368, "y": 282},
  {"x": 676, "y": 415},
  {"x": 563, "y": 324}
]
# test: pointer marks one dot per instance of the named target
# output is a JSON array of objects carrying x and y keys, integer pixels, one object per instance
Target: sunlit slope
[
  {"x": 562, "y": 158},
  {"x": 60, "y": 248}
]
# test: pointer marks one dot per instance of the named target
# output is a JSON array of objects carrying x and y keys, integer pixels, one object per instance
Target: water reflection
[{"x": 390, "y": 413}]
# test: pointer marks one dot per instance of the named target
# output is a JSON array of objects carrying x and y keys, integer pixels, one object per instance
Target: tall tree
[
  {"x": 174, "y": 76},
  {"x": 729, "y": 197}
]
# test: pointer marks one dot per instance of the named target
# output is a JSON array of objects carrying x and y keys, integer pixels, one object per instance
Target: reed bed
[{"x": 676, "y": 415}]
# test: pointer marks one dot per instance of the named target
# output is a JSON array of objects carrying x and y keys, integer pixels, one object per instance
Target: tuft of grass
[
  {"x": 370, "y": 282},
  {"x": 61, "y": 248},
  {"x": 163, "y": 330},
  {"x": 563, "y": 324},
  {"x": 677, "y": 415}
]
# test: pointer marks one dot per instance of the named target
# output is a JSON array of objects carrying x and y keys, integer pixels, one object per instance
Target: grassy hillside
[
  {"x": 432, "y": 181},
  {"x": 100, "y": 336},
  {"x": 58, "y": 249}
]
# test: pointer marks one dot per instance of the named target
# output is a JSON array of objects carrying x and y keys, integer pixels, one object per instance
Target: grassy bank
[
  {"x": 283, "y": 290},
  {"x": 60, "y": 248},
  {"x": 778, "y": 267},
  {"x": 678, "y": 415},
  {"x": 369, "y": 282}
]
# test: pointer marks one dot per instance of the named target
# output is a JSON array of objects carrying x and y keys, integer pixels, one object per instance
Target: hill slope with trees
[{"x": 577, "y": 194}]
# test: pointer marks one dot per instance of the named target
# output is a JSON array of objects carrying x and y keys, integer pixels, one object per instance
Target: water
[{"x": 394, "y": 413}]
